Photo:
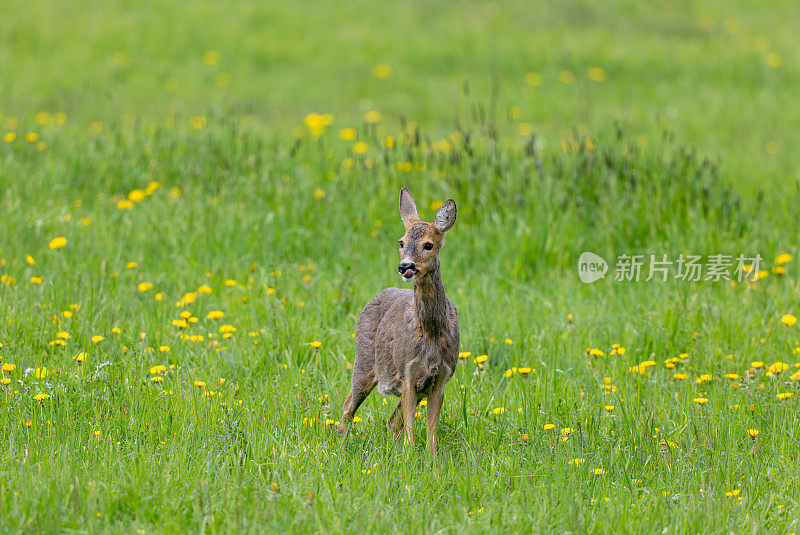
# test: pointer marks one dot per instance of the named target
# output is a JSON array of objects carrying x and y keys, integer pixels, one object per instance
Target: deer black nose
[{"x": 405, "y": 266}]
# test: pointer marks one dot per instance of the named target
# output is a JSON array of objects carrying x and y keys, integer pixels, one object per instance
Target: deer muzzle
[{"x": 407, "y": 270}]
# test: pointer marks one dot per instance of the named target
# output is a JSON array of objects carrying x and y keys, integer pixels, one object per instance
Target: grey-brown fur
[{"x": 407, "y": 339}]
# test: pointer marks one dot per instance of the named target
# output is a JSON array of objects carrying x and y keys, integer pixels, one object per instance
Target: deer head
[{"x": 420, "y": 245}]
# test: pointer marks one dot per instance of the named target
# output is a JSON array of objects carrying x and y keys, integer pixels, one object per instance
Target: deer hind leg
[
  {"x": 395, "y": 421},
  {"x": 359, "y": 391}
]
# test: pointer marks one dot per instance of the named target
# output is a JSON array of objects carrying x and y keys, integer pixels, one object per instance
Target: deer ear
[
  {"x": 408, "y": 210},
  {"x": 445, "y": 216}
]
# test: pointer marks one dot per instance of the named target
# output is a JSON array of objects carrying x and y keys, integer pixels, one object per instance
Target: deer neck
[{"x": 430, "y": 303}]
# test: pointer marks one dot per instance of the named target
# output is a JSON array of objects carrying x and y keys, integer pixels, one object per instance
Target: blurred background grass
[{"x": 720, "y": 75}]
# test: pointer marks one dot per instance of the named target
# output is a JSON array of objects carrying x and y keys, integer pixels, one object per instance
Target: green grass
[{"x": 307, "y": 227}]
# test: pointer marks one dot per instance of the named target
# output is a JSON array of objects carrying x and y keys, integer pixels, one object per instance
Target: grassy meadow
[{"x": 197, "y": 199}]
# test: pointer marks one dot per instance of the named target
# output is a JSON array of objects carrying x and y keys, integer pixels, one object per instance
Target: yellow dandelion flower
[
  {"x": 784, "y": 395},
  {"x": 80, "y": 357},
  {"x": 788, "y": 320},
  {"x": 548, "y": 427},
  {"x": 757, "y": 364},
  {"x": 783, "y": 258},
  {"x": 230, "y": 283},
  {"x": 609, "y": 408},
  {"x": 57, "y": 243},
  {"x": 145, "y": 286},
  {"x": 533, "y": 79},
  {"x": 778, "y": 367},
  {"x": 774, "y": 60},
  {"x": 211, "y": 58},
  {"x": 599, "y": 472},
  {"x": 198, "y": 122},
  {"x": 347, "y": 134},
  {"x": 360, "y": 147},
  {"x": 464, "y": 355},
  {"x": 596, "y": 74},
  {"x": 36, "y": 280},
  {"x": 215, "y": 315},
  {"x": 29, "y": 260},
  {"x": 40, "y": 397},
  {"x": 753, "y": 433},
  {"x": 199, "y": 384},
  {"x": 136, "y": 195},
  {"x": 156, "y": 379},
  {"x": 480, "y": 359},
  {"x": 124, "y": 204},
  {"x": 499, "y": 410},
  {"x": 8, "y": 367},
  {"x": 700, "y": 401},
  {"x": 372, "y": 117},
  {"x": 96, "y": 339},
  {"x": 317, "y": 123},
  {"x": 382, "y": 71},
  {"x": 577, "y": 461}
]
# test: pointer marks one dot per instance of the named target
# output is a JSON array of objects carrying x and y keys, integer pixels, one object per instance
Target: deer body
[{"x": 407, "y": 339}]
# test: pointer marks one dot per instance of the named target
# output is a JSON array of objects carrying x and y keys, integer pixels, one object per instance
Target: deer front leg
[
  {"x": 409, "y": 401},
  {"x": 435, "y": 400}
]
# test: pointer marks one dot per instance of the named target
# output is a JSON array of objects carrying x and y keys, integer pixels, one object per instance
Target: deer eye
[
  {"x": 428, "y": 246},
  {"x": 401, "y": 244}
]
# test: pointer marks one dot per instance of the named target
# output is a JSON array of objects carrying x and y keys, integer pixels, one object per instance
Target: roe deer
[{"x": 407, "y": 340}]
